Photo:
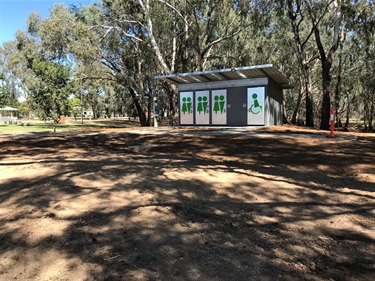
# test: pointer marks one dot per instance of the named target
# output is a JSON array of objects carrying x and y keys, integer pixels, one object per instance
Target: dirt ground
[{"x": 187, "y": 207}]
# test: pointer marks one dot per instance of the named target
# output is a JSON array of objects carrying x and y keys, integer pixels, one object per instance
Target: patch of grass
[{"x": 70, "y": 125}]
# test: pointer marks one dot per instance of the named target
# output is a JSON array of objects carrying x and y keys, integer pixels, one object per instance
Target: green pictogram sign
[
  {"x": 186, "y": 105},
  {"x": 255, "y": 108},
  {"x": 202, "y": 105},
  {"x": 219, "y": 104}
]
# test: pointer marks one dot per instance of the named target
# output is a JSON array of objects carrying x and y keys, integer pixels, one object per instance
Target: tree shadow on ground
[{"x": 128, "y": 207}]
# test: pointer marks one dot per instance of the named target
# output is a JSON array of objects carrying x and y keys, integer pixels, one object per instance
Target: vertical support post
[
  {"x": 331, "y": 121},
  {"x": 156, "y": 112}
]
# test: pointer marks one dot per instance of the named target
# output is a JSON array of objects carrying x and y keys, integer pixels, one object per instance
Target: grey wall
[{"x": 274, "y": 104}]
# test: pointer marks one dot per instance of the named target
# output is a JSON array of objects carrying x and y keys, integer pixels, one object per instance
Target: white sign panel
[
  {"x": 255, "y": 106},
  {"x": 219, "y": 107},
  {"x": 186, "y": 108},
  {"x": 202, "y": 108}
]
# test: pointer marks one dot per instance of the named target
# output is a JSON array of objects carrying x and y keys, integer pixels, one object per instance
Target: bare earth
[{"x": 187, "y": 207}]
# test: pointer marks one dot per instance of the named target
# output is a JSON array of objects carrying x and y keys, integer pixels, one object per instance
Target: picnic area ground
[{"x": 184, "y": 205}]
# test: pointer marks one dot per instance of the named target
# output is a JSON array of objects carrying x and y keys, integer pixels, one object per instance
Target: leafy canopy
[{"x": 51, "y": 90}]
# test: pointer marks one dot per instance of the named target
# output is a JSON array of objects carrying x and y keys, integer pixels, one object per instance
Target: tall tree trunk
[
  {"x": 326, "y": 58},
  {"x": 338, "y": 86},
  {"x": 140, "y": 111},
  {"x": 371, "y": 111},
  {"x": 326, "y": 99},
  {"x": 293, "y": 12},
  {"x": 347, "y": 114},
  {"x": 173, "y": 103}
]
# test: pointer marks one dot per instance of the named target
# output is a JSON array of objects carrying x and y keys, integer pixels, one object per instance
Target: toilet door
[
  {"x": 219, "y": 107},
  {"x": 202, "y": 107},
  {"x": 255, "y": 106},
  {"x": 186, "y": 108}
]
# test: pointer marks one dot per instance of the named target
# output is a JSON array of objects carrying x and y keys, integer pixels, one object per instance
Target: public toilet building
[{"x": 243, "y": 96}]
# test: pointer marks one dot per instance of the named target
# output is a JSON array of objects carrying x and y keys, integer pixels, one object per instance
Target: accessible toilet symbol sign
[
  {"x": 255, "y": 108},
  {"x": 255, "y": 103}
]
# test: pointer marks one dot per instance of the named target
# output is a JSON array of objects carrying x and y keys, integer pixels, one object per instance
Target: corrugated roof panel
[
  {"x": 215, "y": 76},
  {"x": 253, "y": 73},
  {"x": 276, "y": 76},
  {"x": 172, "y": 80},
  {"x": 232, "y": 75},
  {"x": 212, "y": 77},
  {"x": 190, "y": 79},
  {"x": 246, "y": 72},
  {"x": 199, "y": 78}
]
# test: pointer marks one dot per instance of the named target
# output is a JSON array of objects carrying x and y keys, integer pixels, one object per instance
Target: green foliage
[
  {"x": 3, "y": 96},
  {"x": 3, "y": 92},
  {"x": 51, "y": 91}
]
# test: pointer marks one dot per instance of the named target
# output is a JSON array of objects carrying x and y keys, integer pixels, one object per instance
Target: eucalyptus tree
[
  {"x": 51, "y": 90},
  {"x": 363, "y": 22},
  {"x": 105, "y": 54},
  {"x": 40, "y": 74},
  {"x": 326, "y": 15},
  {"x": 306, "y": 54},
  {"x": 318, "y": 28},
  {"x": 129, "y": 43},
  {"x": 3, "y": 91},
  {"x": 17, "y": 57},
  {"x": 185, "y": 38},
  {"x": 347, "y": 87}
]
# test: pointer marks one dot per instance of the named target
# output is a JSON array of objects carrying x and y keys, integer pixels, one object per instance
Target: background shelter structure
[
  {"x": 243, "y": 96},
  {"x": 8, "y": 114}
]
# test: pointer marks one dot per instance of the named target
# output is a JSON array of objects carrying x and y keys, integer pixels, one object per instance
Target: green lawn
[{"x": 40, "y": 127}]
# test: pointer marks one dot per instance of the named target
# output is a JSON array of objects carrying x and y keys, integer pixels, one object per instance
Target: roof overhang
[
  {"x": 8, "y": 108},
  {"x": 237, "y": 73}
]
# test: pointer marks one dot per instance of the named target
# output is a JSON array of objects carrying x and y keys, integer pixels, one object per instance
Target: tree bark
[
  {"x": 338, "y": 86},
  {"x": 326, "y": 58},
  {"x": 326, "y": 99},
  {"x": 140, "y": 111},
  {"x": 309, "y": 101},
  {"x": 346, "y": 126},
  {"x": 296, "y": 108},
  {"x": 303, "y": 61}
]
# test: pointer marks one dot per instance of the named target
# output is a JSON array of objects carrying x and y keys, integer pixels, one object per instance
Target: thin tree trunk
[
  {"x": 347, "y": 114},
  {"x": 296, "y": 108},
  {"x": 371, "y": 113},
  {"x": 326, "y": 99},
  {"x": 140, "y": 111},
  {"x": 309, "y": 105},
  {"x": 338, "y": 86}
]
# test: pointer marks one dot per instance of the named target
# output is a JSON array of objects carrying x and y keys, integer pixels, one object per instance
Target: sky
[{"x": 14, "y": 13}]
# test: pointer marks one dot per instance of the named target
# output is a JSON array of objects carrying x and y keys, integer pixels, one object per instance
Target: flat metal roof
[
  {"x": 246, "y": 72},
  {"x": 8, "y": 108}
]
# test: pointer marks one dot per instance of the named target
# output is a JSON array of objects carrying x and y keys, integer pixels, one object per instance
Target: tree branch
[{"x": 174, "y": 9}]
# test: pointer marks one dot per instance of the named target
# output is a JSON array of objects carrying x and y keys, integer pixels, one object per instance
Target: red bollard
[{"x": 331, "y": 121}]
